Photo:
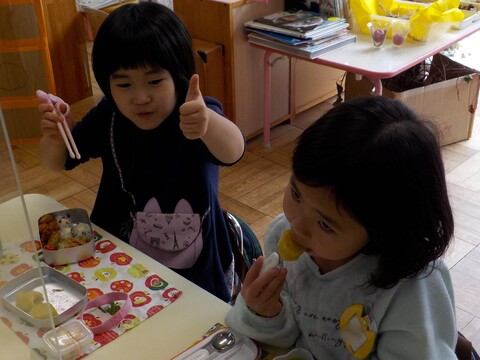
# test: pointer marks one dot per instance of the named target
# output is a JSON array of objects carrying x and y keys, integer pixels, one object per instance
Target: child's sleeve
[
  {"x": 214, "y": 104},
  {"x": 280, "y": 331}
]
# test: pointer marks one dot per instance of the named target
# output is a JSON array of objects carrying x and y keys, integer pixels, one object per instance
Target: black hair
[
  {"x": 143, "y": 34},
  {"x": 384, "y": 166}
]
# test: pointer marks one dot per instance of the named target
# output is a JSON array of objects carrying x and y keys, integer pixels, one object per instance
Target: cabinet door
[
  {"x": 248, "y": 69},
  {"x": 68, "y": 52},
  {"x": 312, "y": 84},
  {"x": 210, "y": 21},
  {"x": 24, "y": 66}
]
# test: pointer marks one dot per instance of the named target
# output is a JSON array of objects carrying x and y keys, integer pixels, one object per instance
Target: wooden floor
[{"x": 253, "y": 189}]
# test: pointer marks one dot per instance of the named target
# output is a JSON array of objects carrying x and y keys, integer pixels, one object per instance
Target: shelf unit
[
  {"x": 42, "y": 46},
  {"x": 24, "y": 63},
  {"x": 295, "y": 86}
]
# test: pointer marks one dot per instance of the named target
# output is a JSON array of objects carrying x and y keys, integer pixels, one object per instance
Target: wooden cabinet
[
  {"x": 312, "y": 84},
  {"x": 42, "y": 46},
  {"x": 221, "y": 22},
  {"x": 68, "y": 51}
]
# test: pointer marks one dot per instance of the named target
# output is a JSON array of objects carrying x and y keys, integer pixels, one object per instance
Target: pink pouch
[{"x": 175, "y": 239}]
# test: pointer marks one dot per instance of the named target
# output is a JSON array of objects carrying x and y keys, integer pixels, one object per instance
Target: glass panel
[
  {"x": 18, "y": 22},
  {"x": 25, "y": 310},
  {"x": 22, "y": 73}
]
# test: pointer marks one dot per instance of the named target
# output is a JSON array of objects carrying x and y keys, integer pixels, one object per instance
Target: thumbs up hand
[{"x": 194, "y": 117}]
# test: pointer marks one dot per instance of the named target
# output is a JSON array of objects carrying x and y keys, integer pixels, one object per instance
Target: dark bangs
[{"x": 140, "y": 35}]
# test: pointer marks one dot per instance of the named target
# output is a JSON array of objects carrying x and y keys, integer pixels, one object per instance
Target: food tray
[
  {"x": 470, "y": 5},
  {"x": 66, "y": 295},
  {"x": 61, "y": 227},
  {"x": 470, "y": 18}
]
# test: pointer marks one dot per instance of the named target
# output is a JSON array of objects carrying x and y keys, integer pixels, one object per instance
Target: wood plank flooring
[{"x": 253, "y": 189}]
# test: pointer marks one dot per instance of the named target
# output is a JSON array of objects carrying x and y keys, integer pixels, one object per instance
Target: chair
[
  {"x": 246, "y": 248},
  {"x": 464, "y": 349}
]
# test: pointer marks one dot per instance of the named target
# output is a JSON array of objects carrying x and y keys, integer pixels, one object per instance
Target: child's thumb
[{"x": 193, "y": 92}]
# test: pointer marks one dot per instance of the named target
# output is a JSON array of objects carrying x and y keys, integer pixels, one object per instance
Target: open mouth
[{"x": 145, "y": 114}]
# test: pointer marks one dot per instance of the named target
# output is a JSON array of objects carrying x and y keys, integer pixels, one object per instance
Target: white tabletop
[
  {"x": 160, "y": 337},
  {"x": 362, "y": 58},
  {"x": 387, "y": 61}
]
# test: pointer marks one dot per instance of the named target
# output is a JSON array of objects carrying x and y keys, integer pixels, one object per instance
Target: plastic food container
[
  {"x": 469, "y": 5},
  {"x": 66, "y": 295},
  {"x": 66, "y": 236},
  {"x": 470, "y": 18},
  {"x": 428, "y": 32},
  {"x": 69, "y": 340}
]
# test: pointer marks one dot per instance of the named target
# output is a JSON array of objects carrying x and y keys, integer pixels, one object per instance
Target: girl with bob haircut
[
  {"x": 161, "y": 144},
  {"x": 368, "y": 202}
]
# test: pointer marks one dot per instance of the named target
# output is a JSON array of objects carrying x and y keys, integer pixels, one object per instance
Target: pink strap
[{"x": 114, "y": 319}]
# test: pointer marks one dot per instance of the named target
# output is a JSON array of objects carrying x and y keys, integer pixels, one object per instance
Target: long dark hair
[
  {"x": 385, "y": 167},
  {"x": 143, "y": 34}
]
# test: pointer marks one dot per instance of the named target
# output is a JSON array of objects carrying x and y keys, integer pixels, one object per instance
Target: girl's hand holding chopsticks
[{"x": 55, "y": 110}]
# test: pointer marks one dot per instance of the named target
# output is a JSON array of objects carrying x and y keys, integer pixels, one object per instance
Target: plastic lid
[{"x": 72, "y": 337}]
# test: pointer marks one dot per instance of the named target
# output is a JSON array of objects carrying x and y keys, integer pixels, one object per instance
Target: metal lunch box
[
  {"x": 66, "y": 295},
  {"x": 71, "y": 232}
]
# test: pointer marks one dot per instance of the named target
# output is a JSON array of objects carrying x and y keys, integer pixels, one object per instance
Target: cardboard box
[{"x": 450, "y": 101}]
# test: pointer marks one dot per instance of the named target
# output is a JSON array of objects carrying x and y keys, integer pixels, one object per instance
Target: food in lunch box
[
  {"x": 61, "y": 233},
  {"x": 40, "y": 311},
  {"x": 24, "y": 300},
  {"x": 469, "y": 7},
  {"x": 31, "y": 302},
  {"x": 287, "y": 248}
]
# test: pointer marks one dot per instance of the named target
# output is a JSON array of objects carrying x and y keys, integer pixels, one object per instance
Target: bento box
[
  {"x": 472, "y": 13},
  {"x": 65, "y": 295},
  {"x": 66, "y": 236}
]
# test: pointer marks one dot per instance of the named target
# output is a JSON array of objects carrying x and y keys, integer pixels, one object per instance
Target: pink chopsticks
[{"x": 62, "y": 125}]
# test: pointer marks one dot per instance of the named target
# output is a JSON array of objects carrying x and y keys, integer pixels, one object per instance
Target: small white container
[{"x": 72, "y": 339}]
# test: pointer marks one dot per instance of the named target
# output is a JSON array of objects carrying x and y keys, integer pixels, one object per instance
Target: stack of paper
[{"x": 299, "y": 32}]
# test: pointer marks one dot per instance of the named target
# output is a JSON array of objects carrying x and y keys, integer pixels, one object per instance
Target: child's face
[
  {"x": 146, "y": 96},
  {"x": 330, "y": 235}
]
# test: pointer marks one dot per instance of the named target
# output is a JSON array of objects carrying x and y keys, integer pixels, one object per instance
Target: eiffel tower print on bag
[{"x": 175, "y": 239}]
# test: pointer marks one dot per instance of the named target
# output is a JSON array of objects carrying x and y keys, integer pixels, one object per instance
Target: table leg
[
  {"x": 378, "y": 86},
  {"x": 266, "y": 98},
  {"x": 293, "y": 77}
]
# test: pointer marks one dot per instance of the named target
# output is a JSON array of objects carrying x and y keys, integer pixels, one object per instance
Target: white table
[
  {"x": 363, "y": 59},
  {"x": 172, "y": 330}
]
